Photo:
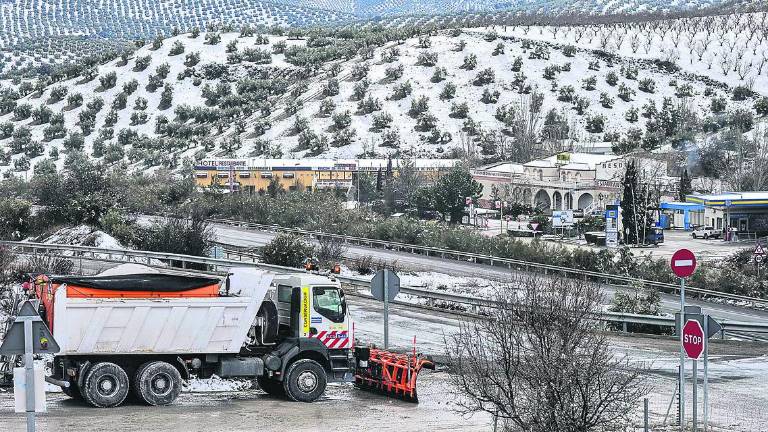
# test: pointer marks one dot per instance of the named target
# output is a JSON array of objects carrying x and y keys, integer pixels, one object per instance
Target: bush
[
  {"x": 448, "y": 92},
  {"x": 192, "y": 236},
  {"x": 741, "y": 93},
  {"x": 761, "y": 107},
  {"x": 647, "y": 85},
  {"x": 14, "y": 218},
  {"x": 286, "y": 250},
  {"x": 330, "y": 251}
]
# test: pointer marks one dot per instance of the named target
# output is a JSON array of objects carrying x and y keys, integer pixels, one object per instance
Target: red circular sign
[
  {"x": 683, "y": 263},
  {"x": 693, "y": 339}
]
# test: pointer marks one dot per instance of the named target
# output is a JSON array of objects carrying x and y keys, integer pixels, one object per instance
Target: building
[
  {"x": 744, "y": 211},
  {"x": 567, "y": 181},
  {"x": 255, "y": 175}
]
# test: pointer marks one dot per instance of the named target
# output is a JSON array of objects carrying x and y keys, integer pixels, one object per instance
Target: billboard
[{"x": 562, "y": 218}]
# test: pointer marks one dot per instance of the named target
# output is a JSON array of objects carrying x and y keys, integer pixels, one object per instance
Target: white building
[{"x": 566, "y": 180}]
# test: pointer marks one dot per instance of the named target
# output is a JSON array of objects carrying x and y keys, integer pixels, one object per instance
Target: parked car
[{"x": 706, "y": 232}]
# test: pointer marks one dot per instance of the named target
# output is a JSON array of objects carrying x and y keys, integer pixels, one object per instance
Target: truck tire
[
  {"x": 105, "y": 385},
  {"x": 271, "y": 387},
  {"x": 157, "y": 383},
  {"x": 304, "y": 381}
]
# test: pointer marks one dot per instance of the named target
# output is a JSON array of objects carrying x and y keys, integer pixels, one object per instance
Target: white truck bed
[{"x": 161, "y": 326}]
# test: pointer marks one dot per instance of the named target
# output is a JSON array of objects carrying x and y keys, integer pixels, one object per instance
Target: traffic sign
[
  {"x": 683, "y": 263},
  {"x": 42, "y": 340},
  {"x": 759, "y": 250},
  {"x": 713, "y": 327},
  {"x": 693, "y": 339},
  {"x": 377, "y": 285}
]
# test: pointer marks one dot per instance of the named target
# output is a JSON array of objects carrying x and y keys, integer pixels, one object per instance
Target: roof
[
  {"x": 576, "y": 161},
  {"x": 294, "y": 164},
  {"x": 676, "y": 205},
  {"x": 731, "y": 199},
  {"x": 504, "y": 167}
]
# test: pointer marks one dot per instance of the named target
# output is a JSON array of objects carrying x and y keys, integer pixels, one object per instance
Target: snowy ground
[{"x": 738, "y": 376}]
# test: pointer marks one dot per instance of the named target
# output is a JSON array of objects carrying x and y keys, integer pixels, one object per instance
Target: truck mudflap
[{"x": 390, "y": 373}]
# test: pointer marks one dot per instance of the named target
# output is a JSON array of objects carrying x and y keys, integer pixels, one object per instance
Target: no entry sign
[
  {"x": 693, "y": 339},
  {"x": 683, "y": 263}
]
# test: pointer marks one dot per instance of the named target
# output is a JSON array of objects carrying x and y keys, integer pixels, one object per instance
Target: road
[
  {"x": 735, "y": 372},
  {"x": 245, "y": 237}
]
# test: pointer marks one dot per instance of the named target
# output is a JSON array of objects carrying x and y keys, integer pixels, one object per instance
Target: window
[
  {"x": 288, "y": 175},
  {"x": 201, "y": 175},
  {"x": 284, "y": 293},
  {"x": 329, "y": 302}
]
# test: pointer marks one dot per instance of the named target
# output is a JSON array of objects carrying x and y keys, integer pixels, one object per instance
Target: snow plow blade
[{"x": 389, "y": 373}]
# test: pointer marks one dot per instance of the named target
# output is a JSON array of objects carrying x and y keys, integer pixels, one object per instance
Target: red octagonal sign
[
  {"x": 693, "y": 339},
  {"x": 683, "y": 263}
]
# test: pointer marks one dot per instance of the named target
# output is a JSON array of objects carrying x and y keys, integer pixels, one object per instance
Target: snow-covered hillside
[
  {"x": 253, "y": 95},
  {"x": 31, "y": 31}
]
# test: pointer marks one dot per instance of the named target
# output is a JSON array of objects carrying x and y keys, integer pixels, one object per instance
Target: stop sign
[
  {"x": 683, "y": 263},
  {"x": 693, "y": 339}
]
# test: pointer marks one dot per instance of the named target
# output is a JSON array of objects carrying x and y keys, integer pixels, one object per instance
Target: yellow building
[{"x": 255, "y": 175}]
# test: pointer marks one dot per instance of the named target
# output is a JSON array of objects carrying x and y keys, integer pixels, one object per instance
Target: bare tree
[{"x": 539, "y": 363}]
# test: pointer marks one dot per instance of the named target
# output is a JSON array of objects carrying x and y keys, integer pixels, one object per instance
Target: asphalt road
[
  {"x": 244, "y": 237},
  {"x": 344, "y": 408}
]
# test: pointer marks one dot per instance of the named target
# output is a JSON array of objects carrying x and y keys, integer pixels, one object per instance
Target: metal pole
[
  {"x": 682, "y": 355},
  {"x": 695, "y": 387},
  {"x": 386, "y": 309},
  {"x": 29, "y": 370},
  {"x": 706, "y": 373},
  {"x": 645, "y": 415}
]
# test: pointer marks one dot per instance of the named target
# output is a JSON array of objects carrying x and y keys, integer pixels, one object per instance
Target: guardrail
[
  {"x": 357, "y": 284},
  {"x": 495, "y": 261}
]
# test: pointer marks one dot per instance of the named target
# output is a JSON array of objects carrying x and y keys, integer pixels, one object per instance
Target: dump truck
[{"x": 146, "y": 333}]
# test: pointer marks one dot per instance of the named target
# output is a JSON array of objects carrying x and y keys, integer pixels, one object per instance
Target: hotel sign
[{"x": 223, "y": 164}]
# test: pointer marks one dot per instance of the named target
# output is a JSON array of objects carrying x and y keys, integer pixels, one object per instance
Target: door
[{"x": 743, "y": 225}]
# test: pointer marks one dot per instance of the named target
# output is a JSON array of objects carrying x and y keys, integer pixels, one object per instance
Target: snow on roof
[
  {"x": 505, "y": 167},
  {"x": 323, "y": 163},
  {"x": 732, "y": 196},
  {"x": 576, "y": 161}
]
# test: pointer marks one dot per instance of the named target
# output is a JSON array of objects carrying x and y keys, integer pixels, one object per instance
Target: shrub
[
  {"x": 611, "y": 78},
  {"x": 606, "y": 100},
  {"x": 426, "y": 58},
  {"x": 625, "y": 93},
  {"x": 647, "y": 85},
  {"x": 761, "y": 106},
  {"x": 142, "y": 63},
  {"x": 718, "y": 105},
  {"x": 590, "y": 83},
  {"x": 485, "y": 76},
  {"x": 595, "y": 123},
  {"x": 176, "y": 49},
  {"x": 470, "y": 62},
  {"x": 459, "y": 110},
  {"x": 569, "y": 50},
  {"x": 439, "y": 75},
  {"x": 741, "y": 93},
  {"x": 448, "y": 92},
  {"x": 381, "y": 121}
]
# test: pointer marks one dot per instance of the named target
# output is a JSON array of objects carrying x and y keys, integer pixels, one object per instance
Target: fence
[
  {"x": 508, "y": 262},
  {"x": 355, "y": 285}
]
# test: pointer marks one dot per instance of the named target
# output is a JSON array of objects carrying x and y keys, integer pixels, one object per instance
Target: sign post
[
  {"x": 693, "y": 343},
  {"x": 28, "y": 336},
  {"x": 384, "y": 287},
  {"x": 683, "y": 264},
  {"x": 758, "y": 256}
]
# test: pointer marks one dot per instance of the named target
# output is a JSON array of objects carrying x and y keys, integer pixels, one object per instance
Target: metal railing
[
  {"x": 360, "y": 286},
  {"x": 495, "y": 261}
]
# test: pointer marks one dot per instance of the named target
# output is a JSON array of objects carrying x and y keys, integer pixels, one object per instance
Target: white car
[{"x": 706, "y": 232}]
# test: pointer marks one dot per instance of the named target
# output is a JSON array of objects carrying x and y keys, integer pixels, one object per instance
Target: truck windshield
[{"x": 329, "y": 302}]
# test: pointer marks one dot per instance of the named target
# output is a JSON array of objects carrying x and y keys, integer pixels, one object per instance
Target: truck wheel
[
  {"x": 304, "y": 381},
  {"x": 706, "y": 236},
  {"x": 157, "y": 383},
  {"x": 271, "y": 387},
  {"x": 105, "y": 385}
]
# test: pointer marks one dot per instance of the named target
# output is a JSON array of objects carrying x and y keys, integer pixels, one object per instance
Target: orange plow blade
[{"x": 390, "y": 373}]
